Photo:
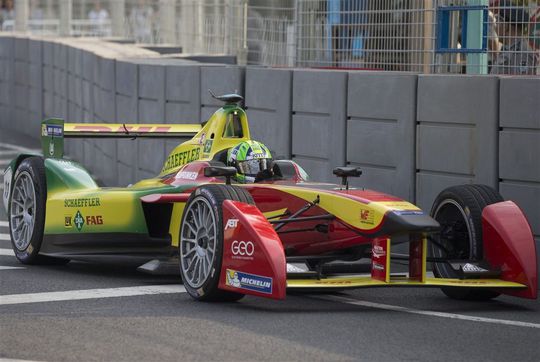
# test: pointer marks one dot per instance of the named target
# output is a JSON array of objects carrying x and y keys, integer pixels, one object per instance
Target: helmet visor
[{"x": 253, "y": 167}]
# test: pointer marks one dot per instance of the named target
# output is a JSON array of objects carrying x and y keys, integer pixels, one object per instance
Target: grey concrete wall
[
  {"x": 319, "y": 115},
  {"x": 220, "y": 80},
  {"x": 519, "y": 145},
  {"x": 20, "y": 84},
  {"x": 456, "y": 133},
  {"x": 268, "y": 102},
  {"x": 6, "y": 81},
  {"x": 381, "y": 123},
  {"x": 127, "y": 80}
]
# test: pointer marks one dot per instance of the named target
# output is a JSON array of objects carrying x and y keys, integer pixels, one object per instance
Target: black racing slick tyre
[
  {"x": 459, "y": 211},
  {"x": 26, "y": 212},
  {"x": 201, "y": 241}
]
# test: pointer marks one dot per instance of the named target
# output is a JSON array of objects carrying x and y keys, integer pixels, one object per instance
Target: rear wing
[{"x": 54, "y": 130}]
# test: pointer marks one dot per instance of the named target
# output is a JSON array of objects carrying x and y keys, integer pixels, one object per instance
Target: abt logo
[
  {"x": 231, "y": 224},
  {"x": 242, "y": 248}
]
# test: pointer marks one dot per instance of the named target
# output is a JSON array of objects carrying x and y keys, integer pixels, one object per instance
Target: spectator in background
[
  {"x": 515, "y": 56},
  {"x": 493, "y": 40},
  {"x": 7, "y": 12},
  {"x": 36, "y": 12},
  {"x": 99, "y": 18},
  {"x": 140, "y": 19}
]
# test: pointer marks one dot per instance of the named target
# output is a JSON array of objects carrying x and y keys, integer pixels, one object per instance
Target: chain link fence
[{"x": 427, "y": 36}]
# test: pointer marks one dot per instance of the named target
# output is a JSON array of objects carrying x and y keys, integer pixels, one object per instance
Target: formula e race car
[{"x": 263, "y": 238}]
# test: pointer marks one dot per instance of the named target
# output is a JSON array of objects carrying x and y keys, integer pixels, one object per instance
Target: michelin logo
[{"x": 248, "y": 281}]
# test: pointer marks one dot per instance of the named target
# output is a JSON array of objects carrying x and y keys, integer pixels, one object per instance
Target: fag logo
[
  {"x": 79, "y": 220},
  {"x": 94, "y": 220},
  {"x": 68, "y": 221},
  {"x": 231, "y": 224}
]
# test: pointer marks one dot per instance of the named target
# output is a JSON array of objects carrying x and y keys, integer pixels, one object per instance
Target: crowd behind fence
[{"x": 427, "y": 36}]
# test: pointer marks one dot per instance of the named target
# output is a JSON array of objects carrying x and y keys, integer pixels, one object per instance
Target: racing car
[{"x": 280, "y": 232}]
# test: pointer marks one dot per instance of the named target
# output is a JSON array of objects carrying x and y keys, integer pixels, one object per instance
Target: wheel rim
[
  {"x": 198, "y": 242},
  {"x": 23, "y": 211},
  {"x": 455, "y": 235}
]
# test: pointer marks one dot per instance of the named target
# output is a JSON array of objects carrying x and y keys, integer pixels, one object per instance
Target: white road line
[
  {"x": 8, "y": 252},
  {"x": 4, "y": 223},
  {"x": 396, "y": 308},
  {"x": 4, "y": 237},
  {"x": 90, "y": 294},
  {"x": 11, "y": 267}
]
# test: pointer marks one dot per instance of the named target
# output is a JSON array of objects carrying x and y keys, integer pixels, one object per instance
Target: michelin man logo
[{"x": 232, "y": 278}]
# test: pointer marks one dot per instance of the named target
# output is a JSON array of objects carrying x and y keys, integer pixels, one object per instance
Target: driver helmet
[{"x": 249, "y": 158}]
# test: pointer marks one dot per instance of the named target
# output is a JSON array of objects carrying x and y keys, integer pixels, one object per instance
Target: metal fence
[{"x": 428, "y": 36}]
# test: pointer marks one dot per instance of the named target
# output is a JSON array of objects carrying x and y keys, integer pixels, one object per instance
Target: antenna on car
[{"x": 232, "y": 98}]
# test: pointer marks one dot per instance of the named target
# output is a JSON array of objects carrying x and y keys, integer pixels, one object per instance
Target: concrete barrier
[
  {"x": 35, "y": 87},
  {"x": 20, "y": 84},
  {"x": 381, "y": 123},
  {"x": 220, "y": 80},
  {"x": 456, "y": 133},
  {"x": 519, "y": 145},
  {"x": 319, "y": 121},
  {"x": 268, "y": 104},
  {"x": 126, "y": 112}
]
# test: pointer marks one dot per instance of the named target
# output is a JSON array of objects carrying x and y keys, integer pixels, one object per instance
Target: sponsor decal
[
  {"x": 85, "y": 202},
  {"x": 472, "y": 268},
  {"x": 68, "y": 221},
  {"x": 202, "y": 139},
  {"x": 378, "y": 251},
  {"x": 52, "y": 130},
  {"x": 186, "y": 175},
  {"x": 208, "y": 146},
  {"x": 231, "y": 224},
  {"x": 78, "y": 220},
  {"x": 241, "y": 280},
  {"x": 8, "y": 173},
  {"x": 378, "y": 266},
  {"x": 181, "y": 158},
  {"x": 366, "y": 216},
  {"x": 94, "y": 220},
  {"x": 242, "y": 248},
  {"x": 333, "y": 282},
  {"x": 123, "y": 129}
]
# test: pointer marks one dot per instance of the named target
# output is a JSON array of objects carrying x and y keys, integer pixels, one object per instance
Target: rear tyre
[
  {"x": 201, "y": 241},
  {"x": 26, "y": 212},
  {"x": 459, "y": 211}
]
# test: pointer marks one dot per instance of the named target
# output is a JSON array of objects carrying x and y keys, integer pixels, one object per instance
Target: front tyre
[
  {"x": 459, "y": 211},
  {"x": 201, "y": 241}
]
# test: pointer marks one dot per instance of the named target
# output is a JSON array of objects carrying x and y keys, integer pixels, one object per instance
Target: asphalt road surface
[{"x": 92, "y": 312}]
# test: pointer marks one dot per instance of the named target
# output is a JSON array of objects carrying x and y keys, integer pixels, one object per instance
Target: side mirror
[
  {"x": 345, "y": 172},
  {"x": 215, "y": 171}
]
